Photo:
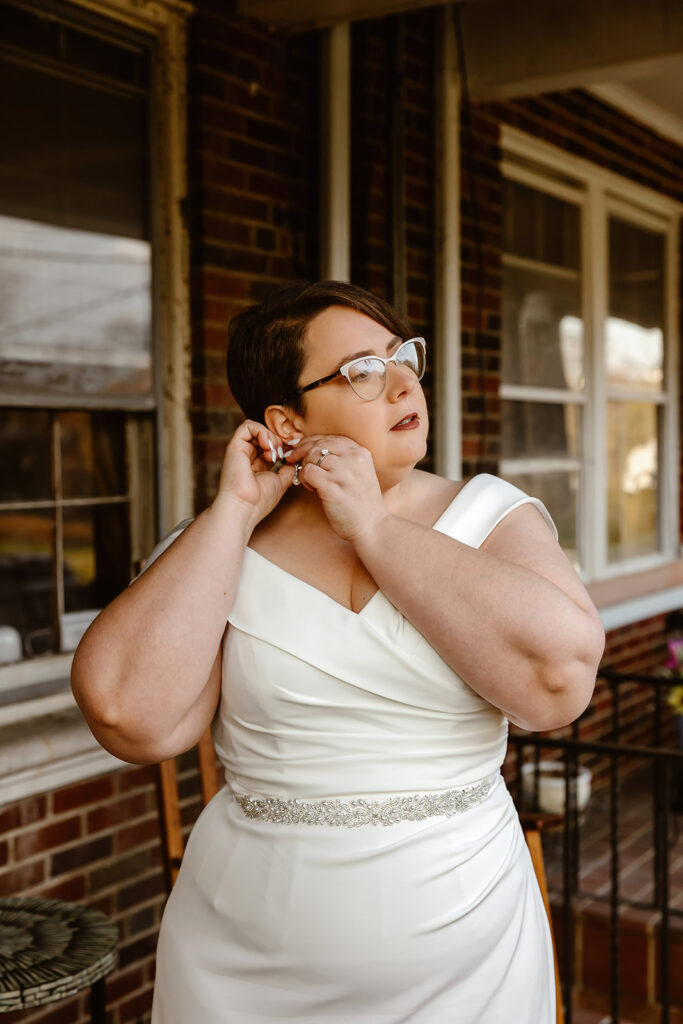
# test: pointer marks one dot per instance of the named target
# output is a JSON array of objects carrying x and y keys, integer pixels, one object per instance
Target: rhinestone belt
[{"x": 352, "y": 813}]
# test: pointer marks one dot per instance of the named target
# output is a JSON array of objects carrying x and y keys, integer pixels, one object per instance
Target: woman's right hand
[{"x": 247, "y": 475}]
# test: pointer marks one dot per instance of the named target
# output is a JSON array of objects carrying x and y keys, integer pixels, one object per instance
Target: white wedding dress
[{"x": 420, "y": 921}]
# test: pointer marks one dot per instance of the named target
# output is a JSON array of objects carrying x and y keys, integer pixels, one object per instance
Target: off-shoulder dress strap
[
  {"x": 163, "y": 544},
  {"x": 481, "y": 504}
]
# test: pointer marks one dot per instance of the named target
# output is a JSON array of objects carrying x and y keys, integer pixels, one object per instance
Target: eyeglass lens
[{"x": 367, "y": 376}]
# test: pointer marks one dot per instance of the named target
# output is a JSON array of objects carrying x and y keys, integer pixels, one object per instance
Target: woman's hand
[
  {"x": 248, "y": 475},
  {"x": 345, "y": 481}
]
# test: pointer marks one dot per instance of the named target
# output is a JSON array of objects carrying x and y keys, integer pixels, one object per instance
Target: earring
[{"x": 296, "y": 481}]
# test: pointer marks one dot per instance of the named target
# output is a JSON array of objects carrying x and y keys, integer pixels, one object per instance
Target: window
[
  {"x": 588, "y": 394},
  {"x": 78, "y": 373}
]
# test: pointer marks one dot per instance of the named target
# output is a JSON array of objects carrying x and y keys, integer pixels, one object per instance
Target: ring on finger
[{"x": 324, "y": 452}]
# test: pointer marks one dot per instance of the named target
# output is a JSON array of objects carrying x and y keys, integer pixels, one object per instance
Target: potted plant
[{"x": 674, "y": 669}]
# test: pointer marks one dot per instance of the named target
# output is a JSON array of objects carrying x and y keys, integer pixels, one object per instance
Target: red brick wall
[
  {"x": 374, "y": 85},
  {"x": 253, "y": 196},
  {"x": 481, "y": 219}
]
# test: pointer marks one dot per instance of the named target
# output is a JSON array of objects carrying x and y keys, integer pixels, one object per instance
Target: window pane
[
  {"x": 27, "y": 584},
  {"x": 93, "y": 454},
  {"x": 540, "y": 227},
  {"x": 75, "y": 257},
  {"x": 96, "y": 555},
  {"x": 25, "y": 455},
  {"x": 535, "y": 429},
  {"x": 75, "y": 311},
  {"x": 633, "y": 446},
  {"x": 542, "y": 330},
  {"x": 634, "y": 329},
  {"x": 559, "y": 492}
]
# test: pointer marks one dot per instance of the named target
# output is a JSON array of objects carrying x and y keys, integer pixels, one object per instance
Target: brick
[
  {"x": 131, "y": 952},
  {"x": 141, "y": 1003},
  {"x": 80, "y": 855},
  {"x": 118, "y": 870},
  {"x": 144, "y": 889},
  {"x": 118, "y": 811},
  {"x": 82, "y": 794},
  {"x": 122, "y": 983},
  {"x": 142, "y": 921},
  {"x": 71, "y": 889},
  {"x": 18, "y": 880},
  {"x": 105, "y": 903},
  {"x": 25, "y": 812},
  {"x": 59, "y": 834},
  {"x": 134, "y": 778},
  {"x": 140, "y": 834},
  {"x": 69, "y": 1012}
]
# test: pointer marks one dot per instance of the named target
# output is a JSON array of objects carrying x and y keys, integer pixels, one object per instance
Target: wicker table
[{"x": 50, "y": 950}]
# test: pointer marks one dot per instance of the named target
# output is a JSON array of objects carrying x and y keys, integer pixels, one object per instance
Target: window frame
[
  {"x": 600, "y": 193},
  {"x": 165, "y": 24}
]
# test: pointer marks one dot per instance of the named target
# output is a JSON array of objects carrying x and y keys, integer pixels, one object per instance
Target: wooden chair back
[
  {"x": 533, "y": 825},
  {"x": 169, "y": 802}
]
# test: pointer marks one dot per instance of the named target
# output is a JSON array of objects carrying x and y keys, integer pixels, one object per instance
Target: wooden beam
[{"x": 299, "y": 15}]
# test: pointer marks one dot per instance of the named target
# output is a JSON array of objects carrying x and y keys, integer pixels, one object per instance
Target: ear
[{"x": 284, "y": 422}]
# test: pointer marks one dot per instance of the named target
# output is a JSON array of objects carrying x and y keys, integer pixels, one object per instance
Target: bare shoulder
[{"x": 432, "y": 495}]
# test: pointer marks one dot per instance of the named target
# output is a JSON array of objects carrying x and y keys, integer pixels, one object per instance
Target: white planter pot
[{"x": 551, "y": 786}]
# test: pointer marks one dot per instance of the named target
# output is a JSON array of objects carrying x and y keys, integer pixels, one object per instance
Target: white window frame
[
  {"x": 66, "y": 748},
  {"x": 599, "y": 193}
]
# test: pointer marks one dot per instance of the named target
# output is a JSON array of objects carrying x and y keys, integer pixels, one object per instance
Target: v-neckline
[{"x": 377, "y": 593}]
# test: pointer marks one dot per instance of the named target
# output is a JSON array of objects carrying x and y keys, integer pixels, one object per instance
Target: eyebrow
[{"x": 366, "y": 352}]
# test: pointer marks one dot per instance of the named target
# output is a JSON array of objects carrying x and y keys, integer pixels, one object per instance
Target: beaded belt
[{"x": 352, "y": 813}]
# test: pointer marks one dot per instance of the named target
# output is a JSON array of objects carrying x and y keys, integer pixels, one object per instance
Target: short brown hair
[{"x": 265, "y": 342}]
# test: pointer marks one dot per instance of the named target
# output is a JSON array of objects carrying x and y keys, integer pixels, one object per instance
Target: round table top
[{"x": 50, "y": 949}]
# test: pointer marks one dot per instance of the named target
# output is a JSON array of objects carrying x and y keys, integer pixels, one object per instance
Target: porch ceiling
[
  {"x": 631, "y": 50},
  {"x": 303, "y": 14}
]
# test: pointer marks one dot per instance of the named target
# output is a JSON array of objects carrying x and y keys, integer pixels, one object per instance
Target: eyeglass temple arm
[{"x": 317, "y": 383}]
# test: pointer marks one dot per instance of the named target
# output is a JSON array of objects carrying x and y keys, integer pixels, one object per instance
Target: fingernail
[
  {"x": 272, "y": 446},
  {"x": 285, "y": 454},
  {"x": 296, "y": 440},
  {"x": 280, "y": 451}
]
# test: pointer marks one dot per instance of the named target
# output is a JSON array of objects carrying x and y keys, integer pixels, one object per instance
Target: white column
[
  {"x": 335, "y": 192},
  {"x": 447, "y": 311}
]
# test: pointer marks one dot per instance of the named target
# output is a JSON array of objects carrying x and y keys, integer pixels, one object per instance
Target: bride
[{"x": 360, "y": 632}]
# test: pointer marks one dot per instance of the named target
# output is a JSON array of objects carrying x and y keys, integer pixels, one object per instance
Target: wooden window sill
[{"x": 638, "y": 596}]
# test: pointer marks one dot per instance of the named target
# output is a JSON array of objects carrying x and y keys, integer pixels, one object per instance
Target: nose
[{"x": 400, "y": 380}]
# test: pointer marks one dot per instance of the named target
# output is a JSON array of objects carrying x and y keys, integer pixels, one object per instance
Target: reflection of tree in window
[{"x": 540, "y": 357}]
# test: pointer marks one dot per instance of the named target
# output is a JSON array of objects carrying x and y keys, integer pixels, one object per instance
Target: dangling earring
[{"x": 296, "y": 481}]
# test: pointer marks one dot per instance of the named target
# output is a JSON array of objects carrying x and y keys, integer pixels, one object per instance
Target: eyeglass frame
[{"x": 343, "y": 371}]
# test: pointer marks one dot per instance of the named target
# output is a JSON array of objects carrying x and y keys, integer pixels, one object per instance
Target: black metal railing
[{"x": 610, "y": 757}]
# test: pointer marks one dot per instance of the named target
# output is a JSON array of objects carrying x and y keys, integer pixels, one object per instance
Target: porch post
[
  {"x": 447, "y": 305},
  {"x": 335, "y": 191}
]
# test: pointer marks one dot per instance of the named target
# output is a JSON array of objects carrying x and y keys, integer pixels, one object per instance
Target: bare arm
[
  {"x": 147, "y": 672},
  {"x": 512, "y": 618}
]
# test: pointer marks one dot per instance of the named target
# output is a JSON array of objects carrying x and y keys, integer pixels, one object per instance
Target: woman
[{"x": 369, "y": 629}]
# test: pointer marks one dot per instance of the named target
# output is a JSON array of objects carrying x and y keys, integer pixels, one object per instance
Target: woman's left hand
[{"x": 345, "y": 481}]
